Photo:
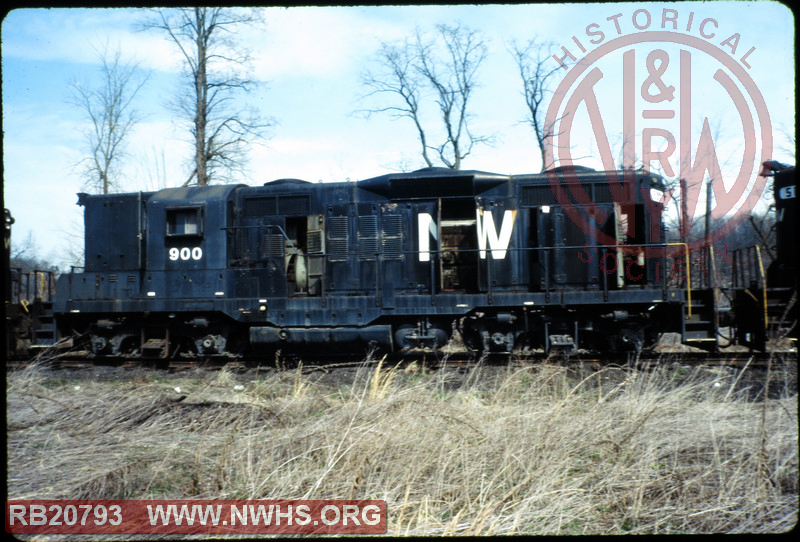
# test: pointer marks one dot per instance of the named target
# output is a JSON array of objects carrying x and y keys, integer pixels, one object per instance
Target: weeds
[{"x": 538, "y": 450}]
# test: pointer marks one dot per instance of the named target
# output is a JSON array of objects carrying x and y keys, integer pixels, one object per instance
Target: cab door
[{"x": 458, "y": 231}]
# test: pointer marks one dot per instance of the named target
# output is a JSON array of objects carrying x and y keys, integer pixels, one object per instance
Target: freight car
[
  {"x": 27, "y": 297},
  {"x": 397, "y": 263}
]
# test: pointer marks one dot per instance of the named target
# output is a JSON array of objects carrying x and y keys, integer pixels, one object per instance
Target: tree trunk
[{"x": 201, "y": 107}]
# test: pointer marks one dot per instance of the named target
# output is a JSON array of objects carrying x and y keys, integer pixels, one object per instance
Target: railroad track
[
  {"x": 432, "y": 360},
  {"x": 772, "y": 375}
]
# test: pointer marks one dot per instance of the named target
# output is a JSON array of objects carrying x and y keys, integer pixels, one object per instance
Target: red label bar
[{"x": 196, "y": 516}]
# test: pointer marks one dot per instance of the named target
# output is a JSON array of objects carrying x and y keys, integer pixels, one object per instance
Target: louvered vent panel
[
  {"x": 273, "y": 245},
  {"x": 367, "y": 237},
  {"x": 260, "y": 206},
  {"x": 294, "y": 205},
  {"x": 602, "y": 193},
  {"x": 537, "y": 195},
  {"x": 338, "y": 242},
  {"x": 316, "y": 243},
  {"x": 393, "y": 237}
]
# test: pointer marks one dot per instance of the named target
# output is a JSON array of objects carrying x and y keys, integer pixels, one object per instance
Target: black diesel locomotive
[{"x": 396, "y": 262}]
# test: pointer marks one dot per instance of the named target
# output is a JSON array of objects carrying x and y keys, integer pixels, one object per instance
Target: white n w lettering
[{"x": 487, "y": 233}]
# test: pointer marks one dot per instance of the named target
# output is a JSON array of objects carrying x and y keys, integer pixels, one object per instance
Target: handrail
[
  {"x": 714, "y": 285},
  {"x": 688, "y": 275},
  {"x": 31, "y": 285},
  {"x": 764, "y": 284},
  {"x": 42, "y": 284}
]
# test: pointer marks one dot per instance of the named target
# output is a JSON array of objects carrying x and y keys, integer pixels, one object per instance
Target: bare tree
[
  {"x": 151, "y": 171},
  {"x": 399, "y": 76},
  {"x": 763, "y": 226},
  {"x": 536, "y": 72},
  {"x": 111, "y": 117},
  {"x": 24, "y": 255},
  {"x": 445, "y": 67},
  {"x": 214, "y": 64}
]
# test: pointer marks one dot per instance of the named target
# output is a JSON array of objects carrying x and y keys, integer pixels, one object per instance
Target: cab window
[{"x": 185, "y": 222}]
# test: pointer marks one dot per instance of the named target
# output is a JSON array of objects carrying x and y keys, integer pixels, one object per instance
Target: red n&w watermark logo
[{"x": 655, "y": 69}]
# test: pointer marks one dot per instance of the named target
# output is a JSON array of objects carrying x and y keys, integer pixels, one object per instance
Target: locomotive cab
[{"x": 187, "y": 243}]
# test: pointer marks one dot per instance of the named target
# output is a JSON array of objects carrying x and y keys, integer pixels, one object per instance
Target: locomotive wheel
[
  {"x": 410, "y": 336},
  {"x": 405, "y": 337},
  {"x": 440, "y": 338},
  {"x": 628, "y": 340},
  {"x": 490, "y": 335}
]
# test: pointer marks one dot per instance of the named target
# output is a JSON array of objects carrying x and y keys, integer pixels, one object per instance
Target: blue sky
[{"x": 311, "y": 60}]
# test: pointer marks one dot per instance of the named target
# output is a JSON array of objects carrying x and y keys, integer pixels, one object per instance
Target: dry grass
[{"x": 498, "y": 451}]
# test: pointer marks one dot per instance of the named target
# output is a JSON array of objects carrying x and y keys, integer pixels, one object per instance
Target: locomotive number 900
[{"x": 185, "y": 253}]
